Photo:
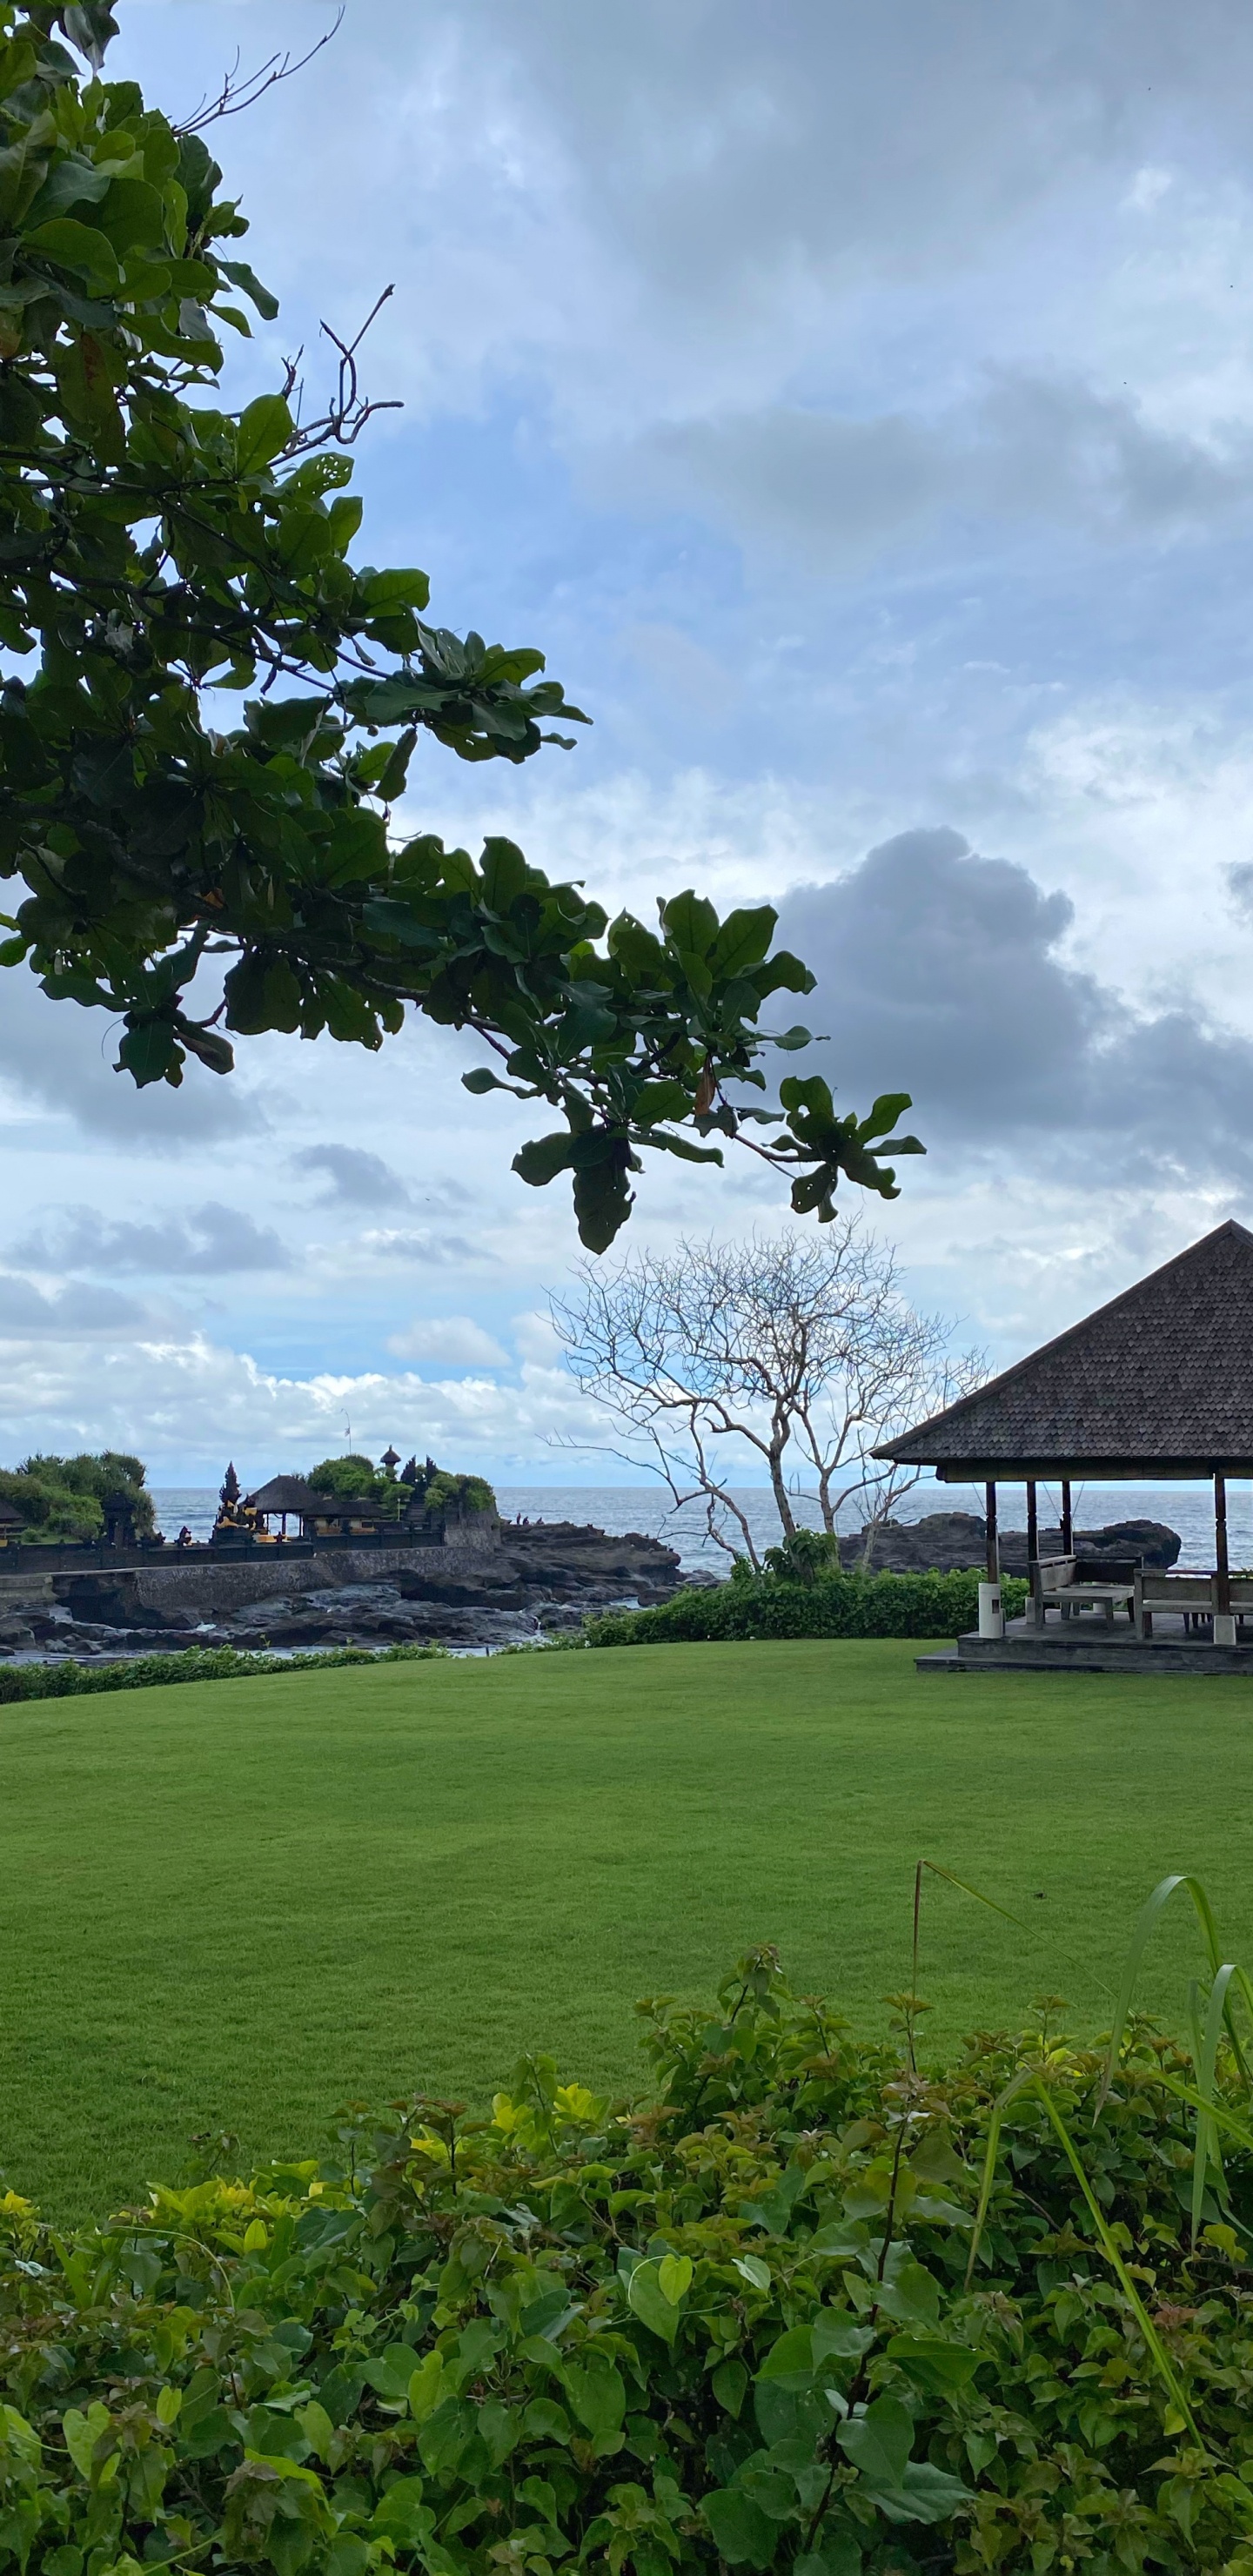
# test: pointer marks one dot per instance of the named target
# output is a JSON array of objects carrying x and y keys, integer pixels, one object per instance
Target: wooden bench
[
  {"x": 1191, "y": 1596},
  {"x": 1074, "y": 1583}
]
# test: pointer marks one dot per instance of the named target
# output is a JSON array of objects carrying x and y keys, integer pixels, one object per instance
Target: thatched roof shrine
[
  {"x": 1158, "y": 1383},
  {"x": 288, "y": 1494}
]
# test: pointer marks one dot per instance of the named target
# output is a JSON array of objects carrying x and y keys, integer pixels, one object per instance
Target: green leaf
[
  {"x": 934, "y": 2365},
  {"x": 82, "y": 2432},
  {"x": 649, "y": 2303},
  {"x": 540, "y": 1161},
  {"x": 382, "y": 591},
  {"x": 263, "y": 432},
  {"x": 675, "y": 2277},
  {"x": 741, "y": 2532},
  {"x": 911, "y": 2294},
  {"x": 266, "y": 304},
  {"x": 729, "y": 2384},
  {"x": 656, "y": 1100},
  {"x": 742, "y": 941},
  {"x": 504, "y": 874},
  {"x": 401, "y": 2516},
  {"x": 754, "y": 2270},
  {"x": 690, "y": 924},
  {"x": 884, "y": 1114},
  {"x": 597, "y": 2392},
  {"x": 794, "y": 2351},
  {"x": 149, "y": 1052},
  {"x": 79, "y": 247},
  {"x": 879, "y": 2442}
]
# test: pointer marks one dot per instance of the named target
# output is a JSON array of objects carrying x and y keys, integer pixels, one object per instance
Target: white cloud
[{"x": 451, "y": 1341}]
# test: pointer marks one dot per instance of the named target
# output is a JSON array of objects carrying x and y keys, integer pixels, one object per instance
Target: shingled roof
[
  {"x": 1157, "y": 1383},
  {"x": 287, "y": 1494}
]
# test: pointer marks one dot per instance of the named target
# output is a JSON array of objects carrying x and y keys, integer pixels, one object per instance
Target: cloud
[
  {"x": 354, "y": 1178},
  {"x": 208, "y": 1241},
  {"x": 452, "y": 1341},
  {"x": 186, "y": 1403},
  {"x": 1240, "y": 886},
  {"x": 385, "y": 1243},
  {"x": 1027, "y": 448},
  {"x": 939, "y": 973},
  {"x": 60, "y": 1056},
  {"x": 71, "y": 1311}
]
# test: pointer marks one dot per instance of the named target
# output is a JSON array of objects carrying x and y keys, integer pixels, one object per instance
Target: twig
[{"x": 235, "y": 95}]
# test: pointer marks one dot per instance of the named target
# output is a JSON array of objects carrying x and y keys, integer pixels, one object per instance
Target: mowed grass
[{"x": 238, "y": 1905}]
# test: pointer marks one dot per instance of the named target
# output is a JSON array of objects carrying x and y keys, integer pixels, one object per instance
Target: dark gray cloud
[
  {"x": 1240, "y": 888},
  {"x": 75, "y": 1311},
  {"x": 939, "y": 974},
  {"x": 205, "y": 1242},
  {"x": 1025, "y": 448},
  {"x": 354, "y": 1178},
  {"x": 62, "y": 1056},
  {"x": 433, "y": 1250}
]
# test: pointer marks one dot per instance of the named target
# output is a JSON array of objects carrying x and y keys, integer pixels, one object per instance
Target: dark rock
[{"x": 948, "y": 1542}]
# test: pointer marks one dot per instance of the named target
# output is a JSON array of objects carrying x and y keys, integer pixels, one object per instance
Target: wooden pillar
[
  {"x": 1033, "y": 1529},
  {"x": 1220, "y": 1544},
  {"x": 1068, "y": 1535},
  {"x": 994, "y": 1562}
]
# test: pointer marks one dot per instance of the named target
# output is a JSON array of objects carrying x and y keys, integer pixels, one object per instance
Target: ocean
[{"x": 646, "y": 1508}]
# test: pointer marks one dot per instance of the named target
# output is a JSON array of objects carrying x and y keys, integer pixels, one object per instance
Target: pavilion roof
[
  {"x": 1157, "y": 1383},
  {"x": 286, "y": 1494}
]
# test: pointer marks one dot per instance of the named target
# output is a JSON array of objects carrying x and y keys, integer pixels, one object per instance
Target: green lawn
[{"x": 238, "y": 1904}]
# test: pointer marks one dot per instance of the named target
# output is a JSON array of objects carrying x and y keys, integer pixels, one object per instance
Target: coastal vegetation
[
  {"x": 65, "y": 1498},
  {"x": 354, "y": 1477},
  {"x": 158, "y": 545},
  {"x": 806, "y": 2301},
  {"x": 779, "y": 1600}
]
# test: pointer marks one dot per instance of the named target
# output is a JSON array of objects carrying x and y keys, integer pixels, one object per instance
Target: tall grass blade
[
  {"x": 1205, "y": 2059},
  {"x": 1149, "y": 1913},
  {"x": 1028, "y": 2080},
  {"x": 1161, "y": 2357},
  {"x": 999, "y": 2109}
]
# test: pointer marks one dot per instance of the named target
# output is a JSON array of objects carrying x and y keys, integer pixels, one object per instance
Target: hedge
[
  {"x": 762, "y": 2318},
  {"x": 67, "y": 1680},
  {"x": 841, "y": 1605}
]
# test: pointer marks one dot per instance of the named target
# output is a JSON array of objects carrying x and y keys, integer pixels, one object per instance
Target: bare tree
[{"x": 796, "y": 1352}]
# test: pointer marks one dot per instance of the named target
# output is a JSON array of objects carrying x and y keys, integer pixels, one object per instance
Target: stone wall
[{"x": 182, "y": 1592}]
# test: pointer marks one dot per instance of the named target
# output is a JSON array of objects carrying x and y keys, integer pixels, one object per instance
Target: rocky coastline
[
  {"x": 516, "y": 1585},
  {"x": 535, "y": 1581}
]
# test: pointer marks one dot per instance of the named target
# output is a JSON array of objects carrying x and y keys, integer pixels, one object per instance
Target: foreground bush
[
  {"x": 729, "y": 2326},
  {"x": 834, "y": 1605}
]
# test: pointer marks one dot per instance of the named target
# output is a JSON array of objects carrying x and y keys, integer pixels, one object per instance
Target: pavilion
[{"x": 1157, "y": 1385}]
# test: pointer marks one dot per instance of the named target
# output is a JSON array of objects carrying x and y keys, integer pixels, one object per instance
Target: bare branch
[
  {"x": 348, "y": 411},
  {"x": 235, "y": 94},
  {"x": 793, "y": 1349}
]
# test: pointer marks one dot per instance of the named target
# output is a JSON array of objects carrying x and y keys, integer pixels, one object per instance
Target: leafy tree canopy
[
  {"x": 64, "y": 1498},
  {"x": 153, "y": 546}
]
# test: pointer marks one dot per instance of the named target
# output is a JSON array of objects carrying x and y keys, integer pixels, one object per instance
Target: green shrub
[
  {"x": 63, "y": 1498},
  {"x": 188, "y": 1664},
  {"x": 729, "y": 2326},
  {"x": 466, "y": 1493},
  {"x": 832, "y": 1605}
]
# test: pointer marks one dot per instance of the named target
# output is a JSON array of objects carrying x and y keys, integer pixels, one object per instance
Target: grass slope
[{"x": 237, "y": 1905}]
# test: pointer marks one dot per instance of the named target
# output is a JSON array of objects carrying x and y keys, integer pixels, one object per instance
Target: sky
[{"x": 856, "y": 406}]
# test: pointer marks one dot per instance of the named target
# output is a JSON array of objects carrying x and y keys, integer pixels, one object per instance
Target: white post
[
  {"x": 991, "y": 1616},
  {"x": 1224, "y": 1627}
]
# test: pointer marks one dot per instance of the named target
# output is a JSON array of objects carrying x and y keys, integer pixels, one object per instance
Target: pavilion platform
[{"x": 1088, "y": 1646}]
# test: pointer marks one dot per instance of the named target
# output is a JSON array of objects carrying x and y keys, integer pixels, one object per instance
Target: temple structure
[{"x": 1155, "y": 1386}]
